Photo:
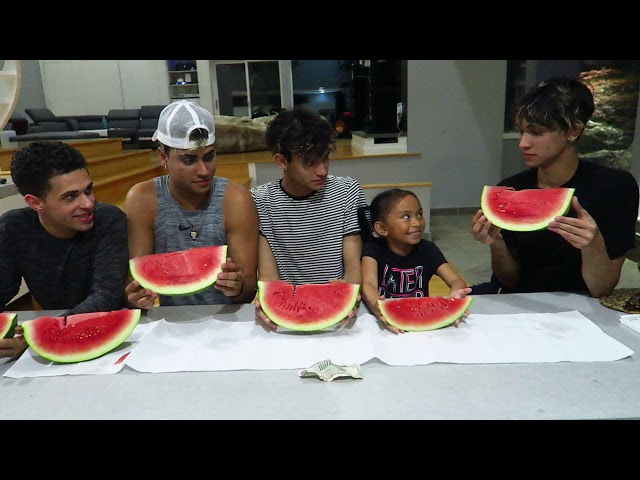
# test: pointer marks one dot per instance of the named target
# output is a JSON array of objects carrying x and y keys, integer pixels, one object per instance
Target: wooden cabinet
[{"x": 183, "y": 80}]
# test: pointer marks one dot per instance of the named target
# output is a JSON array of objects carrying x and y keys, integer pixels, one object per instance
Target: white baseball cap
[{"x": 176, "y": 122}]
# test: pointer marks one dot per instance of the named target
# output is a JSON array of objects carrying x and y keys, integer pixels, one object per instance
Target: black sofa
[
  {"x": 124, "y": 123},
  {"x": 44, "y": 120},
  {"x": 135, "y": 126}
]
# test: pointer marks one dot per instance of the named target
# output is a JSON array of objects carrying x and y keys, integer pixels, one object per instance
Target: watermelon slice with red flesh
[
  {"x": 179, "y": 273},
  {"x": 416, "y": 314},
  {"x": 79, "y": 337},
  {"x": 8, "y": 322},
  {"x": 524, "y": 210},
  {"x": 307, "y": 307}
]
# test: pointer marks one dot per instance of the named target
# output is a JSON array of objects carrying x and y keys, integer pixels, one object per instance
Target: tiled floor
[{"x": 473, "y": 260}]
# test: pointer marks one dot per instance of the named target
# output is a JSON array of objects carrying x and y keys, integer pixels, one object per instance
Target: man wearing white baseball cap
[{"x": 191, "y": 207}]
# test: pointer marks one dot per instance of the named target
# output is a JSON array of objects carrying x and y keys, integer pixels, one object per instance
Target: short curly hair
[
  {"x": 299, "y": 131},
  {"x": 33, "y": 166}
]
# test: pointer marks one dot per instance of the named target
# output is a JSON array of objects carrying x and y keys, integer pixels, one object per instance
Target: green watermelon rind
[
  {"x": 29, "y": 326},
  {"x": 337, "y": 316},
  {"x": 521, "y": 227},
  {"x": 396, "y": 322},
  {"x": 8, "y": 322},
  {"x": 186, "y": 289}
]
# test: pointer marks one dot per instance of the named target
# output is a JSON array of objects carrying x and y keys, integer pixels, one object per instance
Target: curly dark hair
[
  {"x": 558, "y": 103},
  {"x": 32, "y": 166},
  {"x": 299, "y": 131}
]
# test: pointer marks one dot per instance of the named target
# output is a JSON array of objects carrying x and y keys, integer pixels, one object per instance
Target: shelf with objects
[{"x": 183, "y": 79}]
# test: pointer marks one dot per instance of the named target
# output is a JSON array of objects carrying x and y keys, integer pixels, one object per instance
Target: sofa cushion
[
  {"x": 41, "y": 114},
  {"x": 53, "y": 126},
  {"x": 151, "y": 111},
  {"x": 54, "y": 136},
  {"x": 124, "y": 118},
  {"x": 85, "y": 122}
]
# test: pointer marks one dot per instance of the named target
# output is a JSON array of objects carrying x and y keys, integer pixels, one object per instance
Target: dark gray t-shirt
[
  {"x": 172, "y": 230},
  {"x": 85, "y": 273}
]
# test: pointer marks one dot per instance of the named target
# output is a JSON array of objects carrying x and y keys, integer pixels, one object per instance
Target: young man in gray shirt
[{"x": 71, "y": 250}]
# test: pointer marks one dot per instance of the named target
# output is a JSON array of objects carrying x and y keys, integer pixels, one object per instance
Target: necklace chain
[{"x": 193, "y": 232}]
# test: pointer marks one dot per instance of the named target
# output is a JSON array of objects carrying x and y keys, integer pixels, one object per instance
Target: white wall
[
  {"x": 455, "y": 119},
  {"x": 76, "y": 87},
  {"x": 153, "y": 90},
  {"x": 93, "y": 87}
]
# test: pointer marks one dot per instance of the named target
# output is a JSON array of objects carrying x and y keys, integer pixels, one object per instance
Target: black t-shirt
[
  {"x": 405, "y": 276},
  {"x": 85, "y": 273},
  {"x": 550, "y": 263}
]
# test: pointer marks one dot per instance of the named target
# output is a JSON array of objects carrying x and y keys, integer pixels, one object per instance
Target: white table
[{"x": 594, "y": 390}]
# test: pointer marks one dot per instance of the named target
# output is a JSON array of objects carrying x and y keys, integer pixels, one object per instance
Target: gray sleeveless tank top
[{"x": 172, "y": 231}]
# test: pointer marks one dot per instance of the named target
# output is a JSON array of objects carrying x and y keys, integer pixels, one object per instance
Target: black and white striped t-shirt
[{"x": 305, "y": 234}]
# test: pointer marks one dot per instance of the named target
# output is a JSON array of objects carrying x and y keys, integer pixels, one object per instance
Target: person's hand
[
  {"x": 230, "y": 279},
  {"x": 580, "y": 231},
  {"x": 383, "y": 320},
  {"x": 261, "y": 317},
  {"x": 354, "y": 311},
  {"x": 11, "y": 347},
  {"x": 483, "y": 230},
  {"x": 140, "y": 297},
  {"x": 461, "y": 293}
]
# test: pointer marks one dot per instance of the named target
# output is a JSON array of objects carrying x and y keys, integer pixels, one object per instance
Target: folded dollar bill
[{"x": 328, "y": 371}]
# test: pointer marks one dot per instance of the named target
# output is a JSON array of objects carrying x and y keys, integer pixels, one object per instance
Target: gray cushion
[
  {"x": 41, "y": 114},
  {"x": 54, "y": 136}
]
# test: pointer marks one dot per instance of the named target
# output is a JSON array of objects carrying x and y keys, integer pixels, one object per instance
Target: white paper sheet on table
[
  {"x": 30, "y": 364},
  {"x": 211, "y": 345},
  {"x": 632, "y": 321},
  {"x": 506, "y": 338}
]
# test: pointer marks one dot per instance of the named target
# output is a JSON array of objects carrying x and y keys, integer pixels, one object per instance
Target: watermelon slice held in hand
[
  {"x": 307, "y": 307},
  {"x": 524, "y": 210},
  {"x": 179, "y": 273},
  {"x": 8, "y": 322},
  {"x": 80, "y": 337},
  {"x": 416, "y": 314}
]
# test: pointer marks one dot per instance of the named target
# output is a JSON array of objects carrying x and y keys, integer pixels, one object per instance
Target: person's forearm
[
  {"x": 101, "y": 299},
  {"x": 10, "y": 280},
  {"x": 457, "y": 285},
  {"x": 503, "y": 264},
  {"x": 600, "y": 273},
  {"x": 248, "y": 292},
  {"x": 370, "y": 296}
]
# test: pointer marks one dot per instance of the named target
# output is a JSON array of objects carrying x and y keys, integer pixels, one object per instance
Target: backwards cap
[{"x": 176, "y": 122}]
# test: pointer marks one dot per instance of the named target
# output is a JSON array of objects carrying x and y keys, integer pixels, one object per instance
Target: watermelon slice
[
  {"x": 307, "y": 307},
  {"x": 416, "y": 314},
  {"x": 80, "y": 337},
  {"x": 524, "y": 210},
  {"x": 8, "y": 322},
  {"x": 179, "y": 273}
]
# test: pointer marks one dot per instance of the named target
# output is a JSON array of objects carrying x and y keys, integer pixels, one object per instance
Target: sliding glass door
[{"x": 246, "y": 88}]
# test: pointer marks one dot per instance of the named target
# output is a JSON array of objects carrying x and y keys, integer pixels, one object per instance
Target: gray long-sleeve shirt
[{"x": 85, "y": 273}]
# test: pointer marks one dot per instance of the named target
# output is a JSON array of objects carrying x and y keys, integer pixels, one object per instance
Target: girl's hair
[{"x": 380, "y": 207}]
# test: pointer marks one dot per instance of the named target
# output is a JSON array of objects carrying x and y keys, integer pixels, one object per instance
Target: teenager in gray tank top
[{"x": 172, "y": 229}]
